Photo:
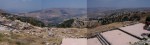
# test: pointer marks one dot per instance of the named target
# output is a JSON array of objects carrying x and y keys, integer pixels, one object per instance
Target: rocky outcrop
[
  {"x": 14, "y": 24},
  {"x": 79, "y": 23}
]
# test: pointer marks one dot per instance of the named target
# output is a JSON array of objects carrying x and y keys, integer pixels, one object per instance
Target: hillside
[
  {"x": 98, "y": 12},
  {"x": 126, "y": 14},
  {"x": 112, "y": 16},
  {"x": 15, "y": 28},
  {"x": 18, "y": 30},
  {"x": 102, "y": 12},
  {"x": 55, "y": 15}
]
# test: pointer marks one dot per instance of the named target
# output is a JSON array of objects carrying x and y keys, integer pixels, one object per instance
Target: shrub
[
  {"x": 66, "y": 24},
  {"x": 1, "y": 37}
]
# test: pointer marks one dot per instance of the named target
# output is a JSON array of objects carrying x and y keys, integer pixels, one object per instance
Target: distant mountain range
[
  {"x": 102, "y": 12},
  {"x": 121, "y": 15},
  {"x": 98, "y": 12},
  {"x": 56, "y": 15}
]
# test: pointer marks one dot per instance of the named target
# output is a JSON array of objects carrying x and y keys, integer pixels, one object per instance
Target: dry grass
[
  {"x": 25, "y": 39},
  {"x": 69, "y": 32}
]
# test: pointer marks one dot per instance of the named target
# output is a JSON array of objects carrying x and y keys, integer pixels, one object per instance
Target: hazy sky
[
  {"x": 119, "y": 3},
  {"x": 31, "y": 5},
  {"x": 65, "y": 3}
]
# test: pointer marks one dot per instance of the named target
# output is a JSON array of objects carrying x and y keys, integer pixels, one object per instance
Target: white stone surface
[
  {"x": 136, "y": 29},
  {"x": 93, "y": 41},
  {"x": 117, "y": 37},
  {"x": 3, "y": 28},
  {"x": 74, "y": 41},
  {"x": 80, "y": 41}
]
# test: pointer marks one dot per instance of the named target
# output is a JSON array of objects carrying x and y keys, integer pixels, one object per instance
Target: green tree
[{"x": 66, "y": 24}]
